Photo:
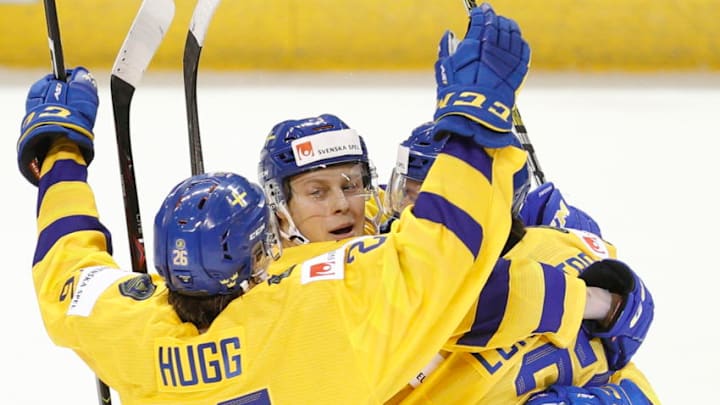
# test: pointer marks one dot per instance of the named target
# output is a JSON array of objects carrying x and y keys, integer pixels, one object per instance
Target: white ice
[{"x": 636, "y": 152}]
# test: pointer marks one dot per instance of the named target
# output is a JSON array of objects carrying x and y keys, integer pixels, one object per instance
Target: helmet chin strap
[
  {"x": 293, "y": 233},
  {"x": 279, "y": 206}
]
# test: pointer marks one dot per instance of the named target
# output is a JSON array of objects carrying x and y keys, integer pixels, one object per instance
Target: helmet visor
[
  {"x": 321, "y": 192},
  {"x": 401, "y": 192}
]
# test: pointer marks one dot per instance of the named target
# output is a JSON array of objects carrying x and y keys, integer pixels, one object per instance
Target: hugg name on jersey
[{"x": 190, "y": 365}]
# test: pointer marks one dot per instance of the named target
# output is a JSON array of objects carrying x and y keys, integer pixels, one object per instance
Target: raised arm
[
  {"x": 72, "y": 245},
  {"x": 449, "y": 242}
]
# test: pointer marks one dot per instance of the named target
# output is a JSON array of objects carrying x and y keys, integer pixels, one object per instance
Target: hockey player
[
  {"x": 510, "y": 375},
  {"x": 368, "y": 310}
]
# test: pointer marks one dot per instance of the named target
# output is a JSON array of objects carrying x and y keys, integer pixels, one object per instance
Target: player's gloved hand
[
  {"x": 479, "y": 78},
  {"x": 625, "y": 393},
  {"x": 546, "y": 206},
  {"x": 54, "y": 109},
  {"x": 631, "y": 322}
]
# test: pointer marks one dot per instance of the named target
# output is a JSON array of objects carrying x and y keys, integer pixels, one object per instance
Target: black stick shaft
[
  {"x": 191, "y": 60},
  {"x": 56, "y": 53},
  {"x": 122, "y": 93},
  {"x": 528, "y": 146}
]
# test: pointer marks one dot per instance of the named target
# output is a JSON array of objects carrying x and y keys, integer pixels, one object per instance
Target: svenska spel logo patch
[
  {"x": 328, "y": 266},
  {"x": 92, "y": 282},
  {"x": 326, "y": 145},
  {"x": 304, "y": 150},
  {"x": 403, "y": 157},
  {"x": 592, "y": 241},
  {"x": 322, "y": 269}
]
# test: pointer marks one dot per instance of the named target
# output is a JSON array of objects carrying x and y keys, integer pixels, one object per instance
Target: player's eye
[{"x": 316, "y": 193}]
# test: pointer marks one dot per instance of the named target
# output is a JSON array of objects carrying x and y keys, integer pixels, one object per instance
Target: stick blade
[
  {"x": 203, "y": 13},
  {"x": 146, "y": 33}
]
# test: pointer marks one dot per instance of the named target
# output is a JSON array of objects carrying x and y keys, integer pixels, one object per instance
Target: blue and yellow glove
[
  {"x": 625, "y": 393},
  {"x": 55, "y": 109},
  {"x": 479, "y": 77},
  {"x": 629, "y": 326}
]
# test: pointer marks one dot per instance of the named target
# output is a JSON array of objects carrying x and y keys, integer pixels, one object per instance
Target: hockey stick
[
  {"x": 143, "y": 39},
  {"x": 203, "y": 13},
  {"x": 528, "y": 146},
  {"x": 53, "y": 28},
  {"x": 537, "y": 172},
  {"x": 58, "y": 67},
  {"x": 145, "y": 35}
]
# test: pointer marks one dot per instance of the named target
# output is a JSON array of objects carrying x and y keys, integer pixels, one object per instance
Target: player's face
[{"x": 329, "y": 204}]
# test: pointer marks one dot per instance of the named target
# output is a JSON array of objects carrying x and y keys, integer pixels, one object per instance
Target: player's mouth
[{"x": 344, "y": 232}]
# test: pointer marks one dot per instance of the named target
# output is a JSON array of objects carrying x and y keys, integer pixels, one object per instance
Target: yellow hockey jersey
[
  {"x": 509, "y": 375},
  {"x": 344, "y": 322}
]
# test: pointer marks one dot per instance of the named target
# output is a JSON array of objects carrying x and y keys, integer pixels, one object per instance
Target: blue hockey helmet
[
  {"x": 422, "y": 151},
  {"x": 213, "y": 235},
  {"x": 298, "y": 146},
  {"x": 416, "y": 154}
]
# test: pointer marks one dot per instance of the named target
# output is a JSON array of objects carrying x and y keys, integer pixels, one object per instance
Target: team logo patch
[
  {"x": 277, "y": 278},
  {"x": 592, "y": 241},
  {"x": 138, "y": 288},
  {"x": 329, "y": 266},
  {"x": 304, "y": 150},
  {"x": 560, "y": 218}
]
